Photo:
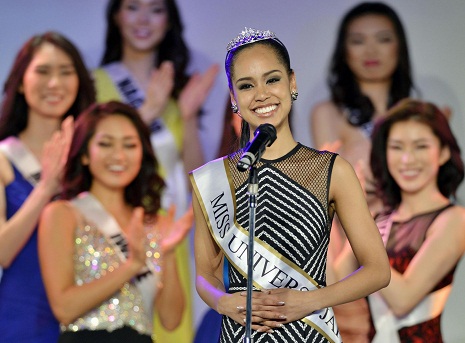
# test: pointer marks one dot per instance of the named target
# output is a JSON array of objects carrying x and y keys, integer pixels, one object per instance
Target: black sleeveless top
[{"x": 292, "y": 217}]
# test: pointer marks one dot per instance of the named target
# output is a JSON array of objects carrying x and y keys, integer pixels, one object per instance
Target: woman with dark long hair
[
  {"x": 145, "y": 65},
  {"x": 300, "y": 189},
  {"x": 417, "y": 166},
  {"x": 47, "y": 86},
  {"x": 115, "y": 265},
  {"x": 369, "y": 71}
]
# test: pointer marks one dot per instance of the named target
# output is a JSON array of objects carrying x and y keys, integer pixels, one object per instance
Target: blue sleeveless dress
[{"x": 25, "y": 315}]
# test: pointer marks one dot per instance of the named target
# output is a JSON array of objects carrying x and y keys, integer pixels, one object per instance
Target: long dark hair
[
  {"x": 14, "y": 109},
  {"x": 281, "y": 53},
  {"x": 450, "y": 173},
  {"x": 145, "y": 190},
  {"x": 344, "y": 88},
  {"x": 172, "y": 48}
]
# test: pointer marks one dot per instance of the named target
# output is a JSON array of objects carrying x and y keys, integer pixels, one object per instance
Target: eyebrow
[
  {"x": 265, "y": 75},
  {"x": 48, "y": 65},
  {"x": 110, "y": 136},
  {"x": 384, "y": 31},
  {"x": 419, "y": 140}
]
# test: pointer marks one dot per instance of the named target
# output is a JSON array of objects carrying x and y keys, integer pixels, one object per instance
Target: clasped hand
[{"x": 271, "y": 308}]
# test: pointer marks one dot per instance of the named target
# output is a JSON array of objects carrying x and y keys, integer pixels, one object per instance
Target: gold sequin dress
[{"x": 96, "y": 255}]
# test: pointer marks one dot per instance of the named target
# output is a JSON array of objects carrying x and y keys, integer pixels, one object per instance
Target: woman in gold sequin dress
[{"x": 100, "y": 249}]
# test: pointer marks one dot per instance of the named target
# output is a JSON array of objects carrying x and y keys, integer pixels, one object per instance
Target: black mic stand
[{"x": 252, "y": 192}]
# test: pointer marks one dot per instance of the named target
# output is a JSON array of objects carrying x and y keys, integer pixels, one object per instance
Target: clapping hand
[
  {"x": 195, "y": 92},
  {"x": 54, "y": 156},
  {"x": 137, "y": 238},
  {"x": 158, "y": 92},
  {"x": 173, "y": 232}
]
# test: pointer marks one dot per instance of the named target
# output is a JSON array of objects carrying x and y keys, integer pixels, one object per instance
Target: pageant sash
[
  {"x": 126, "y": 85},
  {"x": 386, "y": 323},
  {"x": 162, "y": 139},
  {"x": 148, "y": 279},
  {"x": 22, "y": 158},
  {"x": 213, "y": 188}
]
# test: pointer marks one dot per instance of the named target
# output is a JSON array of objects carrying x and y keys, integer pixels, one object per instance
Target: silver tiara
[{"x": 249, "y": 35}]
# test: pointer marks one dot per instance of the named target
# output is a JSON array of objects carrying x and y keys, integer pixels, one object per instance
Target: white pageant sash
[
  {"x": 22, "y": 158},
  {"x": 270, "y": 269},
  {"x": 161, "y": 137},
  {"x": 93, "y": 211},
  {"x": 24, "y": 161},
  {"x": 126, "y": 85},
  {"x": 386, "y": 323}
]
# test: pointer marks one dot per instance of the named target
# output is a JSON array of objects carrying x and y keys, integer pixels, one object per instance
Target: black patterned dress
[{"x": 293, "y": 217}]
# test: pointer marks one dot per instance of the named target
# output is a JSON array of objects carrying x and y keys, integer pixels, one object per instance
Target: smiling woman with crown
[{"x": 300, "y": 189}]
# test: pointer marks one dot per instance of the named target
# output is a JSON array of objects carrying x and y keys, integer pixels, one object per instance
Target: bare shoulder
[
  {"x": 6, "y": 170},
  {"x": 455, "y": 216},
  {"x": 326, "y": 123},
  {"x": 59, "y": 212},
  {"x": 325, "y": 110},
  {"x": 342, "y": 167},
  {"x": 343, "y": 177},
  {"x": 450, "y": 223}
]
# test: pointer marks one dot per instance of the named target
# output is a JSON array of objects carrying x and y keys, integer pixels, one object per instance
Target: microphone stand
[{"x": 252, "y": 192}]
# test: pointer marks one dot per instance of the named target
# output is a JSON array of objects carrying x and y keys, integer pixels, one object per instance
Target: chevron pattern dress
[{"x": 294, "y": 218}]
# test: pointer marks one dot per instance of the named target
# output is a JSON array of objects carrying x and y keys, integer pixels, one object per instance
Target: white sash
[
  {"x": 128, "y": 88},
  {"x": 452, "y": 328},
  {"x": 271, "y": 270},
  {"x": 386, "y": 323},
  {"x": 22, "y": 158},
  {"x": 161, "y": 138},
  {"x": 148, "y": 279}
]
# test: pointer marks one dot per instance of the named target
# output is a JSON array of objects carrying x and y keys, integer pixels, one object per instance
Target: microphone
[{"x": 265, "y": 135}]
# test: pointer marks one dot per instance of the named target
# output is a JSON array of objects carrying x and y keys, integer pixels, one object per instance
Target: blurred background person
[
  {"x": 47, "y": 83},
  {"x": 417, "y": 167},
  {"x": 369, "y": 71},
  {"x": 145, "y": 65},
  {"x": 116, "y": 263}
]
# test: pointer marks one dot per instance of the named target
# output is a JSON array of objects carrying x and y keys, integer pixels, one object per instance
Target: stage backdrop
[{"x": 434, "y": 30}]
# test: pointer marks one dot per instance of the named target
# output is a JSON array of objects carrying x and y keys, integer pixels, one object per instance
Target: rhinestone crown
[{"x": 249, "y": 35}]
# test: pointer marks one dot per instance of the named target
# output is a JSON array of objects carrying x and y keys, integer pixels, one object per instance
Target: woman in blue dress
[{"x": 47, "y": 83}]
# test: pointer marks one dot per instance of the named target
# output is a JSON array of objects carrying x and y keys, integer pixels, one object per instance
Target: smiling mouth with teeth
[
  {"x": 266, "y": 109},
  {"x": 116, "y": 168}
]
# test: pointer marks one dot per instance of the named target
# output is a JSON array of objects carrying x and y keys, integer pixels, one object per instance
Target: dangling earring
[
  {"x": 234, "y": 108},
  {"x": 294, "y": 95}
]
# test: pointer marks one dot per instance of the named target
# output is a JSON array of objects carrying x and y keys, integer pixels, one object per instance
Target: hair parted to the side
[
  {"x": 14, "y": 108},
  {"x": 281, "y": 53},
  {"x": 344, "y": 88},
  {"x": 145, "y": 190},
  {"x": 172, "y": 47},
  {"x": 450, "y": 173}
]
